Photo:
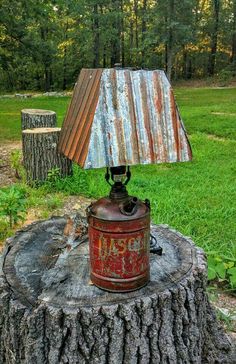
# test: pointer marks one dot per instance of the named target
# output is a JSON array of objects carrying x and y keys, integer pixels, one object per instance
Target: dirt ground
[
  {"x": 224, "y": 303},
  {"x": 7, "y": 174}
]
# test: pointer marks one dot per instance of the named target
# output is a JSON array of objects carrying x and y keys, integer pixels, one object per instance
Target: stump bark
[
  {"x": 40, "y": 154},
  {"x": 50, "y": 312},
  {"x": 37, "y": 118}
]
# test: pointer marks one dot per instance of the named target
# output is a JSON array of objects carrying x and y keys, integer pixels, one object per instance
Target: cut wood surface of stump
[
  {"x": 37, "y": 118},
  {"x": 51, "y": 313},
  {"x": 40, "y": 154}
]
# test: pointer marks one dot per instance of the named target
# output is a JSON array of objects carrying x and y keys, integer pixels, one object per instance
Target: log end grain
[
  {"x": 37, "y": 112},
  {"x": 41, "y": 130}
]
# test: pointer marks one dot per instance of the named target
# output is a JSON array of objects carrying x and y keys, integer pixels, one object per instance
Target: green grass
[
  {"x": 196, "y": 198},
  {"x": 211, "y": 111},
  {"x": 10, "y": 109}
]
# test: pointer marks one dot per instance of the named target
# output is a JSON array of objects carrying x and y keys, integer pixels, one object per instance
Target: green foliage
[
  {"x": 16, "y": 164},
  {"x": 15, "y": 159},
  {"x": 12, "y": 204},
  {"x": 5, "y": 231},
  {"x": 222, "y": 268},
  {"x": 42, "y": 201},
  {"x": 231, "y": 272},
  {"x": 75, "y": 184},
  {"x": 225, "y": 319},
  {"x": 225, "y": 76},
  {"x": 45, "y": 44},
  {"x": 54, "y": 202},
  {"x": 53, "y": 176}
]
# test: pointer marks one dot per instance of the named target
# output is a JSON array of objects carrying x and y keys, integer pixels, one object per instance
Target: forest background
[{"x": 45, "y": 43}]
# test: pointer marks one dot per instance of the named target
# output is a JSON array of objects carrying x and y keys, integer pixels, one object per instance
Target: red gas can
[{"x": 119, "y": 235}]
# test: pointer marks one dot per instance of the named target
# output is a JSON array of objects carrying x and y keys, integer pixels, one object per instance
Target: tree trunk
[
  {"x": 104, "y": 62},
  {"x": 64, "y": 85},
  {"x": 51, "y": 313},
  {"x": 166, "y": 52},
  {"x": 104, "y": 53},
  {"x": 116, "y": 43},
  {"x": 40, "y": 154},
  {"x": 36, "y": 118},
  {"x": 96, "y": 41},
  {"x": 131, "y": 35},
  {"x": 187, "y": 65},
  {"x": 233, "y": 57},
  {"x": 170, "y": 41},
  {"x": 144, "y": 30},
  {"x": 122, "y": 34},
  {"x": 46, "y": 59},
  {"x": 47, "y": 85},
  {"x": 189, "y": 68},
  {"x": 136, "y": 23},
  {"x": 214, "y": 38},
  {"x": 129, "y": 52}
]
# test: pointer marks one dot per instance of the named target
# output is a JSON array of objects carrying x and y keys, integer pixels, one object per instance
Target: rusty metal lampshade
[
  {"x": 123, "y": 117},
  {"x": 118, "y": 118}
]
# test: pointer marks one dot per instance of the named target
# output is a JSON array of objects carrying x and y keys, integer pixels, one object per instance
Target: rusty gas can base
[
  {"x": 120, "y": 285},
  {"x": 119, "y": 241}
]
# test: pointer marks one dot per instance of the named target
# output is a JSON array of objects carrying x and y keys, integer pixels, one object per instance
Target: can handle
[{"x": 154, "y": 247}]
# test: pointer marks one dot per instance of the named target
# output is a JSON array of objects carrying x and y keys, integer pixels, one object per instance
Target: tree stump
[
  {"x": 51, "y": 313},
  {"x": 40, "y": 154},
  {"x": 37, "y": 118}
]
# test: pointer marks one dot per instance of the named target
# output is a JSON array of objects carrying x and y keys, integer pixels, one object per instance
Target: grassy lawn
[
  {"x": 196, "y": 198},
  {"x": 210, "y": 111},
  {"x": 10, "y": 127}
]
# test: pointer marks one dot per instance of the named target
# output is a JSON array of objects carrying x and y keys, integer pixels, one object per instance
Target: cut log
[
  {"x": 51, "y": 313},
  {"x": 36, "y": 118},
  {"x": 40, "y": 154}
]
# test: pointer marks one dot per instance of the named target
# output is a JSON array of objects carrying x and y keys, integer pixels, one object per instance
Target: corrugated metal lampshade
[{"x": 123, "y": 117}]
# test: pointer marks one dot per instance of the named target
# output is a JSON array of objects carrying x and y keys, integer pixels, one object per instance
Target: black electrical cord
[{"x": 154, "y": 247}]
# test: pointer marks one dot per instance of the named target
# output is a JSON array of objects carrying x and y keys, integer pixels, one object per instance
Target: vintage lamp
[{"x": 118, "y": 118}]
